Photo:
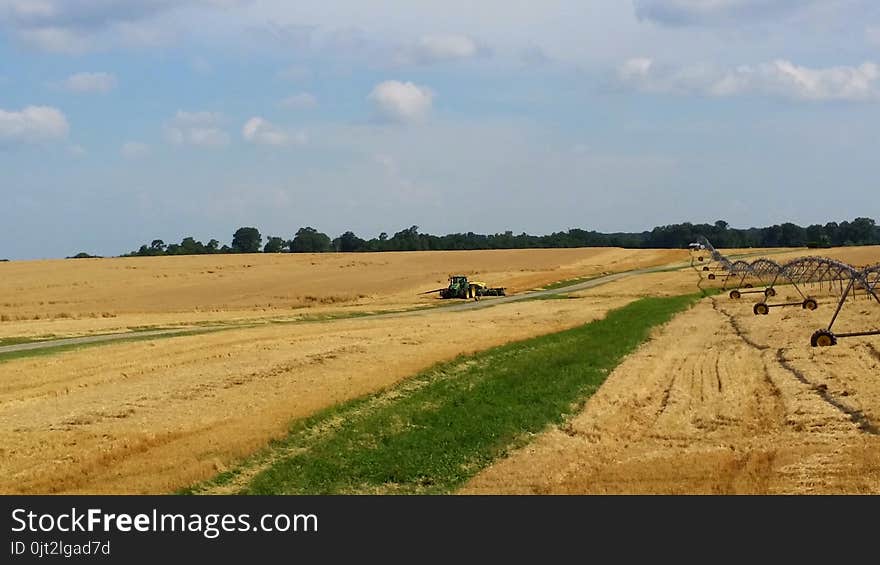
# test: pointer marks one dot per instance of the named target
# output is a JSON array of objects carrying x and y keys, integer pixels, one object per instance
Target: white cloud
[
  {"x": 77, "y": 150},
  {"x": 438, "y": 48},
  {"x": 401, "y": 101},
  {"x": 300, "y": 101},
  {"x": 55, "y": 40},
  {"x": 75, "y": 26},
  {"x": 701, "y": 12},
  {"x": 777, "y": 78},
  {"x": 134, "y": 150},
  {"x": 260, "y": 131},
  {"x": 90, "y": 82},
  {"x": 33, "y": 124},
  {"x": 196, "y": 128}
]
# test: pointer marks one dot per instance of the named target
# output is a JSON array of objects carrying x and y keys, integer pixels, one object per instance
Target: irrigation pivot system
[
  {"x": 866, "y": 280},
  {"x": 837, "y": 277}
]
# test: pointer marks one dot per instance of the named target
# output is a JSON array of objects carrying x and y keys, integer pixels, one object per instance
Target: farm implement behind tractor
[{"x": 461, "y": 287}]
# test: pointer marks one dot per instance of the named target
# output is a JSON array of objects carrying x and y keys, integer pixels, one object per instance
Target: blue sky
[{"x": 125, "y": 121}]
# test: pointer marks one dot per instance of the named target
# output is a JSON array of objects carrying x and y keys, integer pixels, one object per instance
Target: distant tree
[
  {"x": 189, "y": 246},
  {"x": 246, "y": 240},
  {"x": 158, "y": 246},
  {"x": 225, "y": 249},
  {"x": 349, "y": 242},
  {"x": 862, "y": 231},
  {"x": 83, "y": 255},
  {"x": 310, "y": 240},
  {"x": 213, "y": 246},
  {"x": 274, "y": 245},
  {"x": 792, "y": 235}
]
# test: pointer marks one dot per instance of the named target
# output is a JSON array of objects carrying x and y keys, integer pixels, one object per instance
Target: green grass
[
  {"x": 550, "y": 297},
  {"x": 18, "y": 340},
  {"x": 183, "y": 330},
  {"x": 569, "y": 282},
  {"x": 52, "y": 350},
  {"x": 433, "y": 432}
]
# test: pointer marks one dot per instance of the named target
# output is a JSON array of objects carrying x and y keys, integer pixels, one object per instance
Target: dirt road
[{"x": 457, "y": 307}]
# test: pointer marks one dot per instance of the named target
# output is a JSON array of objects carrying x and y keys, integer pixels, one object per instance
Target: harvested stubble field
[
  {"x": 718, "y": 401},
  {"x": 722, "y": 401},
  {"x": 88, "y": 296}
]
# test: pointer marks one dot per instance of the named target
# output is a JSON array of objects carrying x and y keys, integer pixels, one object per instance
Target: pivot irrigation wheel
[
  {"x": 734, "y": 294},
  {"x": 705, "y": 268},
  {"x": 810, "y": 304},
  {"x": 768, "y": 292},
  {"x": 748, "y": 285},
  {"x": 711, "y": 276},
  {"x": 761, "y": 309},
  {"x": 699, "y": 258},
  {"x": 823, "y": 338}
]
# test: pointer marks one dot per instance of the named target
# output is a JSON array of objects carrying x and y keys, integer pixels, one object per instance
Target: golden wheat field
[{"x": 719, "y": 400}]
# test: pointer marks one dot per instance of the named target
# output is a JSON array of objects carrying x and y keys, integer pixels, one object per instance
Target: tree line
[{"x": 860, "y": 231}]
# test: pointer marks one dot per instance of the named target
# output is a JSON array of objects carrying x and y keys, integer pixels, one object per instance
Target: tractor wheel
[
  {"x": 748, "y": 285},
  {"x": 711, "y": 276},
  {"x": 768, "y": 292},
  {"x": 761, "y": 309},
  {"x": 810, "y": 304},
  {"x": 823, "y": 338},
  {"x": 734, "y": 294}
]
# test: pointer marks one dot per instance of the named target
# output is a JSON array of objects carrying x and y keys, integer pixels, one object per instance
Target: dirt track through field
[
  {"x": 721, "y": 401},
  {"x": 470, "y": 305}
]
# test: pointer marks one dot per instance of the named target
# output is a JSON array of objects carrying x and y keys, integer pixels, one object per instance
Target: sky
[{"x": 126, "y": 121}]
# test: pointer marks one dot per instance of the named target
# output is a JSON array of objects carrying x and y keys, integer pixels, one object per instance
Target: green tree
[
  {"x": 189, "y": 246},
  {"x": 310, "y": 240},
  {"x": 274, "y": 245},
  {"x": 349, "y": 242},
  {"x": 246, "y": 240}
]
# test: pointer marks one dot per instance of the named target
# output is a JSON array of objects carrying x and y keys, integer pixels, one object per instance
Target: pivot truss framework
[{"x": 839, "y": 278}]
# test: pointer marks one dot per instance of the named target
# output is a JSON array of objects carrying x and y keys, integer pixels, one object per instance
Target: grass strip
[
  {"x": 433, "y": 432},
  {"x": 52, "y": 350},
  {"x": 571, "y": 282}
]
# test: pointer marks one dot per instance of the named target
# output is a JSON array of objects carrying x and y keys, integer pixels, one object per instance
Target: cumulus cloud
[
  {"x": 72, "y": 26},
  {"x": 703, "y": 12},
  {"x": 777, "y": 78},
  {"x": 33, "y": 124},
  {"x": 300, "y": 101},
  {"x": 90, "y": 82},
  {"x": 431, "y": 49},
  {"x": 196, "y": 128},
  {"x": 260, "y": 131},
  {"x": 134, "y": 150},
  {"x": 401, "y": 102}
]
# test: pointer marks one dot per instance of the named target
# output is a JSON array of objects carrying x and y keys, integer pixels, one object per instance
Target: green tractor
[{"x": 461, "y": 287}]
